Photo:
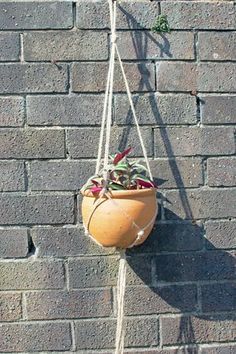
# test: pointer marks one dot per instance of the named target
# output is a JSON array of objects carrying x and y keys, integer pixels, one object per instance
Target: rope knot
[{"x": 140, "y": 234}]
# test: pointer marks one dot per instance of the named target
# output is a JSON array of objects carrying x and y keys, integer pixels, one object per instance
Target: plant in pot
[{"x": 120, "y": 211}]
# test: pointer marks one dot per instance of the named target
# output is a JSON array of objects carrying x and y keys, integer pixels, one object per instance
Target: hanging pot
[{"x": 121, "y": 218}]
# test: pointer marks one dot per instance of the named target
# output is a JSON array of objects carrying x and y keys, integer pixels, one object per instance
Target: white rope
[
  {"x": 121, "y": 284},
  {"x": 106, "y": 124},
  {"x": 107, "y": 94},
  {"x": 98, "y": 164},
  {"x": 133, "y": 111},
  {"x": 112, "y": 7}
]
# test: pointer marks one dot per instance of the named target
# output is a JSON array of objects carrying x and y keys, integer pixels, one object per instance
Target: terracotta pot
[{"x": 111, "y": 221}]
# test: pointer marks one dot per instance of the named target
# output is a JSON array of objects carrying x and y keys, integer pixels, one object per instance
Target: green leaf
[
  {"x": 88, "y": 186},
  {"x": 121, "y": 167},
  {"x": 141, "y": 177},
  {"x": 139, "y": 167},
  {"x": 116, "y": 186}
]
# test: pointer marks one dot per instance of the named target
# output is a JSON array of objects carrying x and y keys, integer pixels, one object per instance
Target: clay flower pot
[{"x": 116, "y": 221}]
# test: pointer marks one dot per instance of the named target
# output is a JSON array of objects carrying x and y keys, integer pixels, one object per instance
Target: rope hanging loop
[
  {"x": 104, "y": 140},
  {"x": 107, "y": 110}
]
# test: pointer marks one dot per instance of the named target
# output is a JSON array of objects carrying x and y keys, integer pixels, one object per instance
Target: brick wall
[{"x": 58, "y": 289}]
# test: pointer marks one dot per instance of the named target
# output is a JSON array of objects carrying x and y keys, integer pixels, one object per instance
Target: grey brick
[
  {"x": 36, "y": 209},
  {"x": 100, "y": 334},
  {"x": 139, "y": 270},
  {"x": 63, "y": 242},
  {"x": 216, "y": 77},
  {"x": 84, "y": 142},
  {"x": 173, "y": 237},
  {"x": 39, "y": 15},
  {"x": 206, "y": 77},
  {"x": 23, "y": 337},
  {"x": 13, "y": 243},
  {"x": 221, "y": 172},
  {"x": 203, "y": 330},
  {"x": 38, "y": 77},
  {"x": 217, "y": 46},
  {"x": 221, "y": 234},
  {"x": 213, "y": 265},
  {"x": 130, "y": 15},
  {"x": 11, "y": 111},
  {"x": 156, "y": 109},
  {"x": 176, "y": 77},
  {"x": 191, "y": 141},
  {"x": 224, "y": 349},
  {"x": 62, "y": 46},
  {"x": 32, "y": 143},
  {"x": 67, "y": 110},
  {"x": 11, "y": 176},
  {"x": 31, "y": 275},
  {"x": 159, "y": 351},
  {"x": 201, "y": 204},
  {"x": 218, "y": 109},
  {"x": 199, "y": 15},
  {"x": 97, "y": 272},
  {"x": 178, "y": 173},
  {"x": 218, "y": 297},
  {"x": 46, "y": 175},
  {"x": 9, "y": 46},
  {"x": 148, "y": 45},
  {"x": 92, "y": 77},
  {"x": 160, "y": 299},
  {"x": 73, "y": 304},
  {"x": 10, "y": 307},
  {"x": 191, "y": 350}
]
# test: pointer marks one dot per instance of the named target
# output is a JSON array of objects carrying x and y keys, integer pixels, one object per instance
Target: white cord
[{"x": 133, "y": 111}]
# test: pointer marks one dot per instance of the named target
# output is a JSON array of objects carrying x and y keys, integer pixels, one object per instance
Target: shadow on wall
[
  {"x": 139, "y": 39},
  {"x": 182, "y": 257},
  {"x": 175, "y": 258}
]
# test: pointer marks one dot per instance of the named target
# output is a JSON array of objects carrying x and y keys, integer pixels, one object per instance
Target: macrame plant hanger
[{"x": 106, "y": 133}]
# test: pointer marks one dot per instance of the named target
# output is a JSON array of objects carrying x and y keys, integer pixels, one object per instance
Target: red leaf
[
  {"x": 95, "y": 182},
  {"x": 121, "y": 155},
  {"x": 96, "y": 189},
  {"x": 145, "y": 184}
]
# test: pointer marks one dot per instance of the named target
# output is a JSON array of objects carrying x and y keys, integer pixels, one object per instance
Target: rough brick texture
[
  {"x": 36, "y": 209},
  {"x": 58, "y": 289},
  {"x": 13, "y": 243},
  {"x": 35, "y": 337},
  {"x": 72, "y": 304},
  {"x": 32, "y": 275},
  {"x": 217, "y": 46},
  {"x": 36, "y": 15},
  {"x": 9, "y": 46},
  {"x": 68, "y": 110},
  {"x": 23, "y": 78},
  {"x": 217, "y": 109},
  {"x": 11, "y": 111},
  {"x": 12, "y": 176},
  {"x": 63, "y": 46},
  {"x": 31, "y": 143},
  {"x": 156, "y": 109},
  {"x": 10, "y": 307},
  {"x": 91, "y": 77},
  {"x": 205, "y": 329}
]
